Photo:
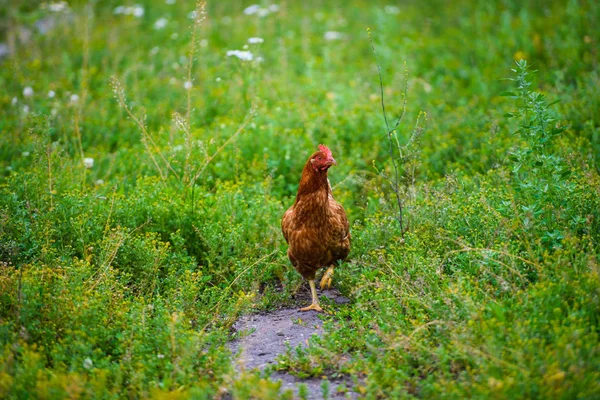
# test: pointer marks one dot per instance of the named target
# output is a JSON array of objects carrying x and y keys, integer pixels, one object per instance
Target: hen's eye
[{"x": 319, "y": 158}]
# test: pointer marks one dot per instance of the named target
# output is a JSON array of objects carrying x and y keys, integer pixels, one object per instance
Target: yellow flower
[{"x": 520, "y": 55}]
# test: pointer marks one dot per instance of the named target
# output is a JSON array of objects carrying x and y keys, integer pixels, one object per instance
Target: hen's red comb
[{"x": 325, "y": 150}]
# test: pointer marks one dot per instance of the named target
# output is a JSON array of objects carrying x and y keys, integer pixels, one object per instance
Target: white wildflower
[
  {"x": 25, "y": 154},
  {"x": 58, "y": 6},
  {"x": 245, "y": 47},
  {"x": 28, "y": 91},
  {"x": 160, "y": 23},
  {"x": 178, "y": 148},
  {"x": 138, "y": 11},
  {"x": 161, "y": 356},
  {"x": 261, "y": 11},
  {"x": 427, "y": 87},
  {"x": 255, "y": 40},
  {"x": 25, "y": 109},
  {"x": 242, "y": 55},
  {"x": 51, "y": 94},
  {"x": 88, "y": 162},
  {"x": 192, "y": 14},
  {"x": 87, "y": 363},
  {"x": 203, "y": 43},
  {"x": 74, "y": 99},
  {"x": 218, "y": 79},
  {"x": 187, "y": 85},
  {"x": 154, "y": 50},
  {"x": 394, "y": 10},
  {"x": 99, "y": 182},
  {"x": 253, "y": 9},
  {"x": 14, "y": 101},
  {"x": 333, "y": 35}
]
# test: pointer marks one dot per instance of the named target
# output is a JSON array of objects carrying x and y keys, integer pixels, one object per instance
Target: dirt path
[{"x": 271, "y": 332}]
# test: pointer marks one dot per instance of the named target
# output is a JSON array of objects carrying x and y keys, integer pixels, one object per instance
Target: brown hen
[{"x": 316, "y": 226}]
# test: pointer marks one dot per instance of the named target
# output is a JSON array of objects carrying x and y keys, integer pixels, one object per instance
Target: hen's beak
[{"x": 332, "y": 161}]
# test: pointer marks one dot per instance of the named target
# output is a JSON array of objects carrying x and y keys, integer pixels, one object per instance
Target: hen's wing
[
  {"x": 287, "y": 224},
  {"x": 340, "y": 230}
]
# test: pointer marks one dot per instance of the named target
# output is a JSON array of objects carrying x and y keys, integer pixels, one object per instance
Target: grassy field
[{"x": 145, "y": 166}]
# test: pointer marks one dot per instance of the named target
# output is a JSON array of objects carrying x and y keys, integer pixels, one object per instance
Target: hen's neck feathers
[{"x": 312, "y": 181}]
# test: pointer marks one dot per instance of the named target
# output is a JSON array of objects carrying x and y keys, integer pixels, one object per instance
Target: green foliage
[
  {"x": 122, "y": 277},
  {"x": 546, "y": 186}
]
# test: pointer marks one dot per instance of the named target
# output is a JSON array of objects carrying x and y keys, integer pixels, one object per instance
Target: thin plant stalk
[
  {"x": 399, "y": 154},
  {"x": 201, "y": 169},
  {"x": 200, "y": 15},
  {"x": 146, "y": 138}
]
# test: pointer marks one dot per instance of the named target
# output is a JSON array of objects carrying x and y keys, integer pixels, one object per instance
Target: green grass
[{"x": 123, "y": 279}]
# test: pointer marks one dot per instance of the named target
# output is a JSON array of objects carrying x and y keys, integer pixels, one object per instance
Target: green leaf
[{"x": 554, "y": 102}]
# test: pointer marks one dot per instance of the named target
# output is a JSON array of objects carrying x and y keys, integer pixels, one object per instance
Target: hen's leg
[
  {"x": 315, "y": 299},
  {"x": 327, "y": 278}
]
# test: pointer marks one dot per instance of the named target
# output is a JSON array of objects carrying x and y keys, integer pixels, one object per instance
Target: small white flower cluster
[
  {"x": 160, "y": 23},
  {"x": 88, "y": 162},
  {"x": 88, "y": 363},
  {"x": 243, "y": 55},
  {"x": 255, "y": 9},
  {"x": 57, "y": 7},
  {"x": 136, "y": 11},
  {"x": 333, "y": 35},
  {"x": 246, "y": 55},
  {"x": 28, "y": 92}
]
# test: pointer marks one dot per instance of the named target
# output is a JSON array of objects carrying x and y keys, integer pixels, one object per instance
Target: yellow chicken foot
[
  {"x": 315, "y": 299},
  {"x": 327, "y": 278}
]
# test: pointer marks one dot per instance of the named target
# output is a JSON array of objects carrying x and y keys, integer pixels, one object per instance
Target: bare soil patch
[{"x": 269, "y": 334}]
